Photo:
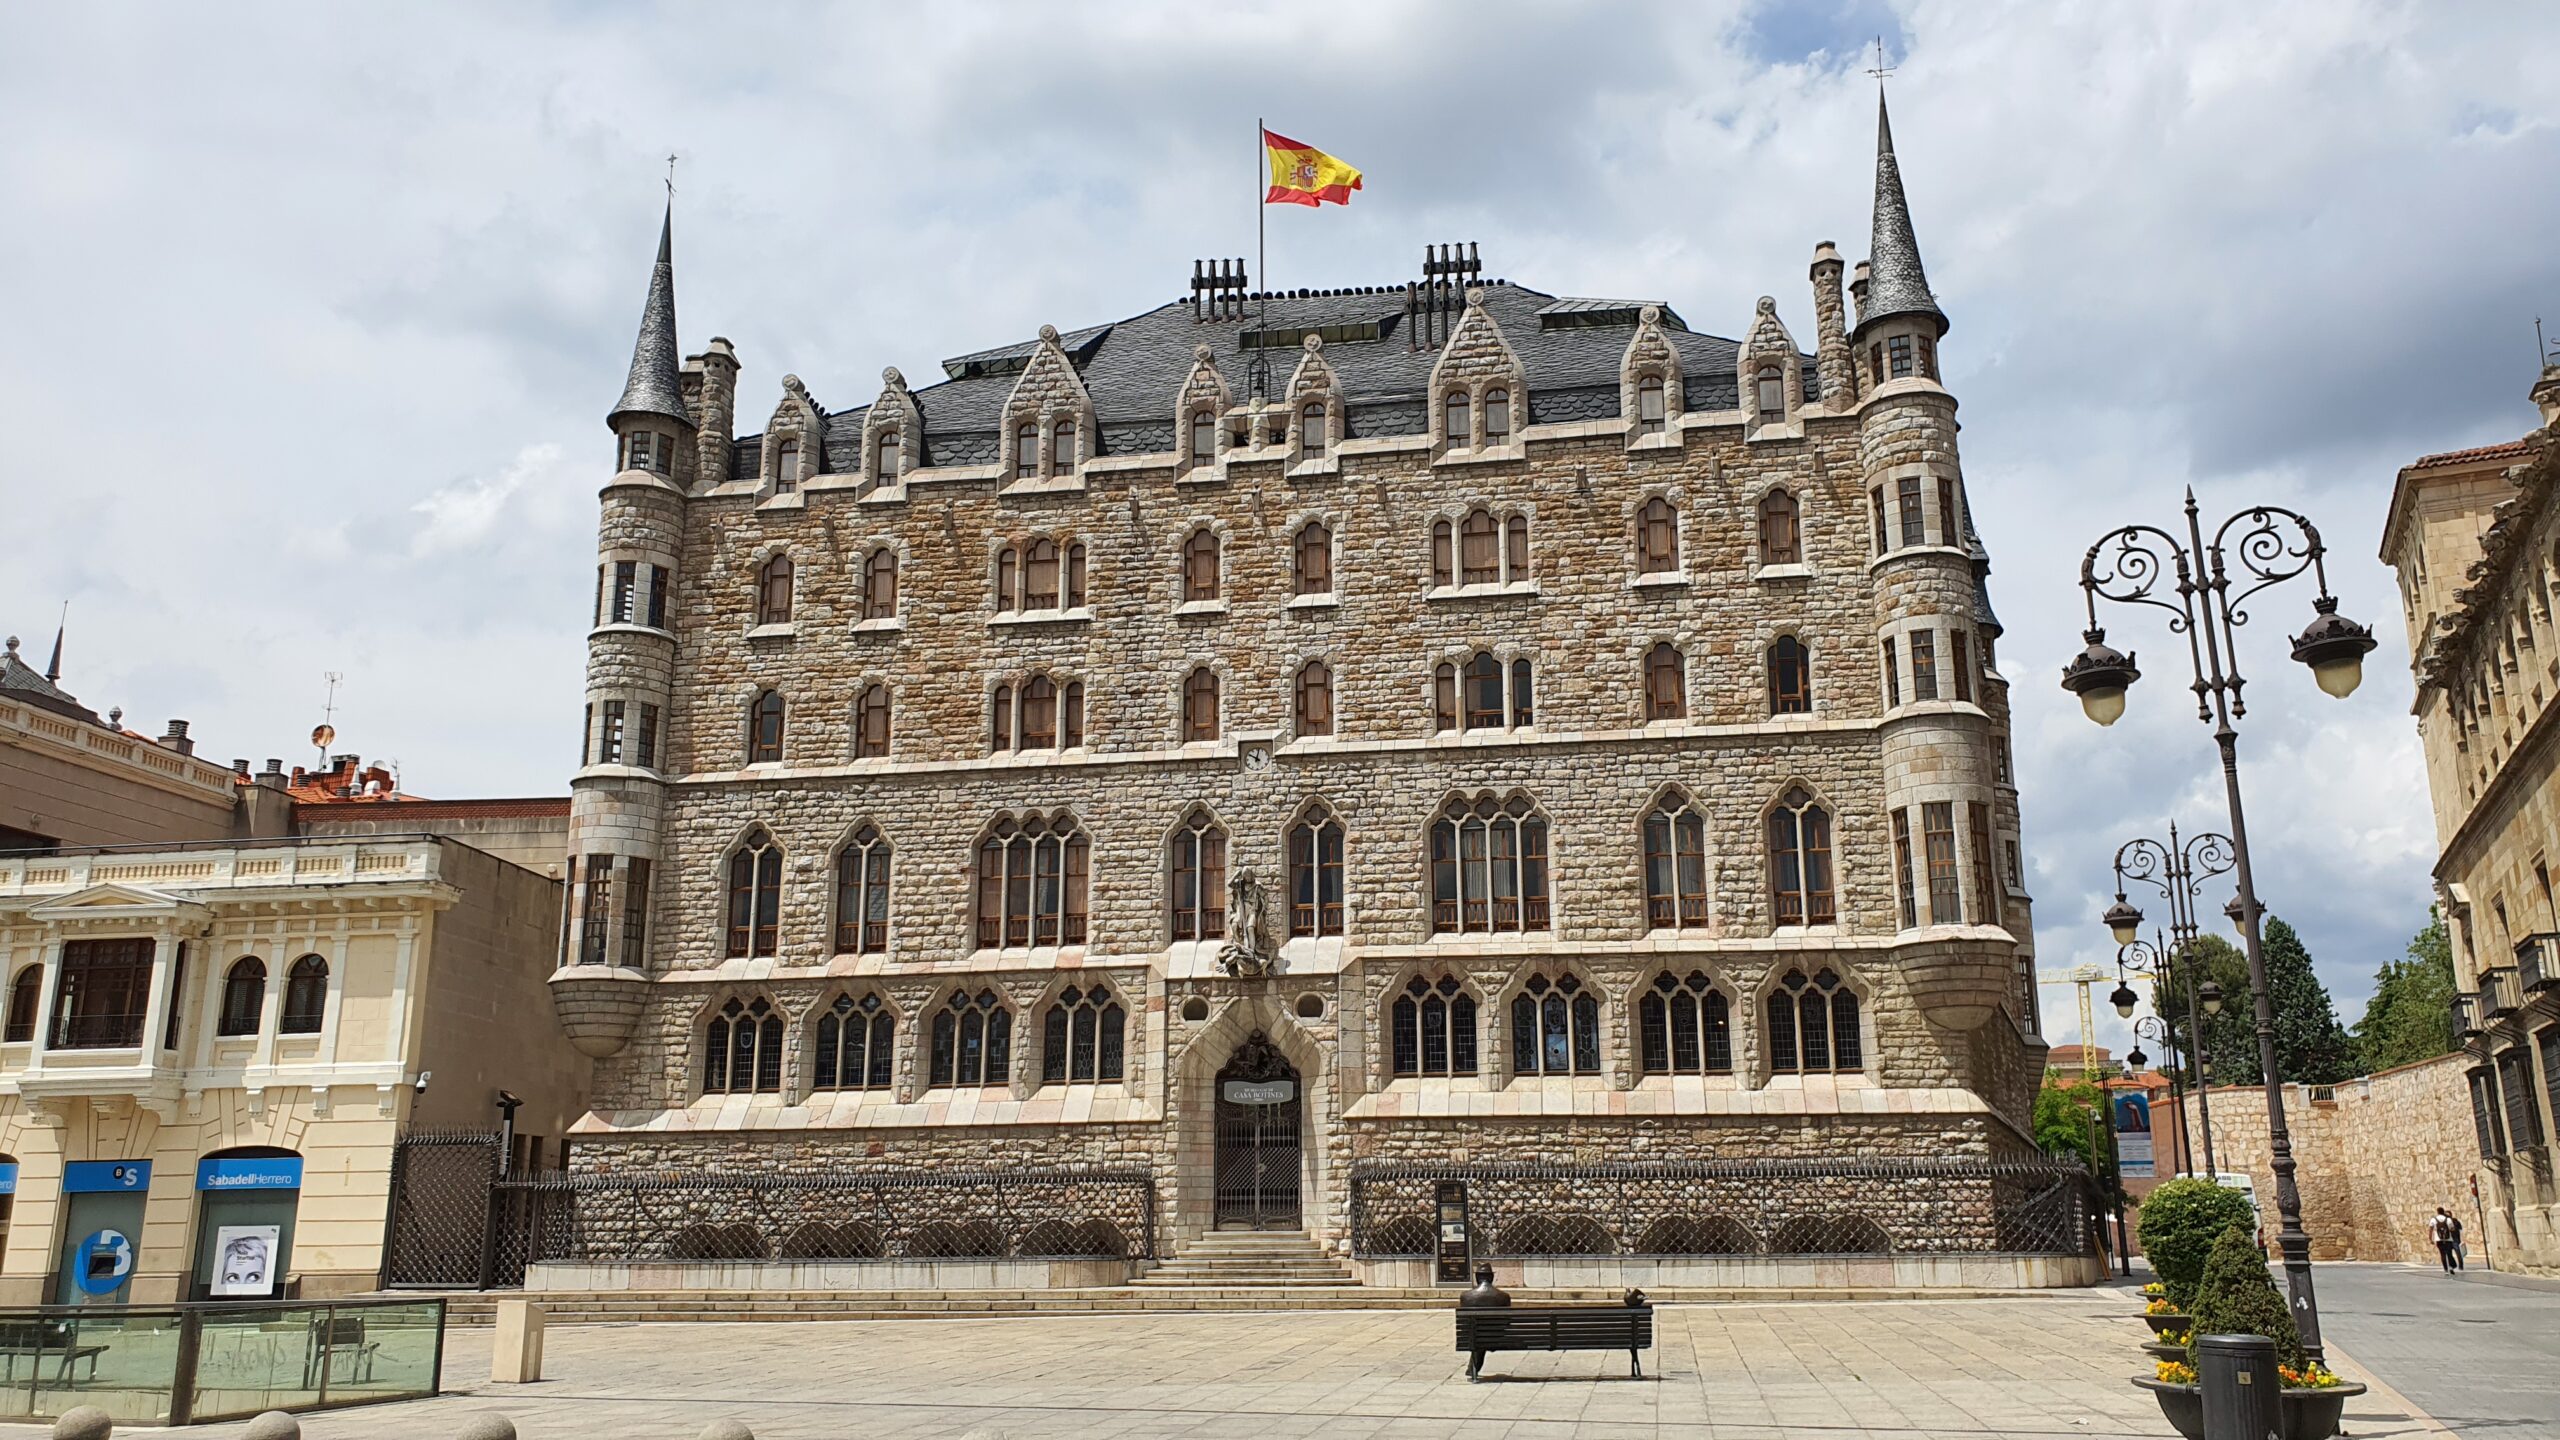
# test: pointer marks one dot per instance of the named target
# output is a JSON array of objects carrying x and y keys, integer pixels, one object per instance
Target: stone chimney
[
  {"x": 2546, "y": 394},
  {"x": 177, "y": 739}
]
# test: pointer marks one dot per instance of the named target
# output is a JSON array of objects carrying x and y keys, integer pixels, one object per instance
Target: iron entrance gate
[{"x": 1259, "y": 1153}]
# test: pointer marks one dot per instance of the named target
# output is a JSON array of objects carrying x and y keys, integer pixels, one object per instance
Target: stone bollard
[
  {"x": 2237, "y": 1375},
  {"x": 517, "y": 1356},
  {"x": 487, "y": 1427},
  {"x": 728, "y": 1429},
  {"x": 84, "y": 1422},
  {"x": 274, "y": 1425}
]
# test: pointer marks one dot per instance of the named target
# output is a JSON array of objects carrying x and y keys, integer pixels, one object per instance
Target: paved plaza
[
  {"x": 2481, "y": 1352},
  {"x": 2043, "y": 1366}
]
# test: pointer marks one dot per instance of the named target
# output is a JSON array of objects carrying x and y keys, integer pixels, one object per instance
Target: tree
[
  {"x": 2237, "y": 1297},
  {"x": 2312, "y": 1048},
  {"x": 2410, "y": 1016},
  {"x": 2179, "y": 1222},
  {"x": 2229, "y": 1035},
  {"x": 2063, "y": 1126}
]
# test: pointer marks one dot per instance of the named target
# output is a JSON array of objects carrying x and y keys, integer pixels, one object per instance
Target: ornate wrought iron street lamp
[
  {"x": 2178, "y": 870},
  {"x": 2128, "y": 566}
]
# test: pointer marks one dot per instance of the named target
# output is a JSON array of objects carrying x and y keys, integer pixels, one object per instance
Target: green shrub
[
  {"x": 2237, "y": 1298},
  {"x": 2179, "y": 1222}
]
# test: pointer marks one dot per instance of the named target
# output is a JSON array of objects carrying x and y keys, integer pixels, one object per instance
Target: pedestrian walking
[
  {"x": 2461, "y": 1253},
  {"x": 2441, "y": 1228}
]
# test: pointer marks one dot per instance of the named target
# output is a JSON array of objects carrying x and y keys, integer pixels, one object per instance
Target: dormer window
[
  {"x": 1311, "y": 428},
  {"x": 786, "y": 467},
  {"x": 1026, "y": 452},
  {"x": 1497, "y": 415},
  {"x": 1062, "y": 448},
  {"x": 886, "y": 455},
  {"x": 1458, "y": 427},
  {"x": 1649, "y": 406},
  {"x": 1773, "y": 394},
  {"x": 651, "y": 451},
  {"x": 1204, "y": 437}
]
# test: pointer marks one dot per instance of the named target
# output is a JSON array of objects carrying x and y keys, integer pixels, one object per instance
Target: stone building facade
[
  {"x": 1405, "y": 725},
  {"x": 2475, "y": 537}
]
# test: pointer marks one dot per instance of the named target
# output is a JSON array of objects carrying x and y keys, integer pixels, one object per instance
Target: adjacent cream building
[
  {"x": 228, "y": 995},
  {"x": 2475, "y": 536}
]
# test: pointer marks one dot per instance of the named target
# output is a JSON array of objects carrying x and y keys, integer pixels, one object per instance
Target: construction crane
[{"x": 2082, "y": 975}]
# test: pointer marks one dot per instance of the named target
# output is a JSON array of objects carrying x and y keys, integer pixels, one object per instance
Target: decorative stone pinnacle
[{"x": 1049, "y": 334}]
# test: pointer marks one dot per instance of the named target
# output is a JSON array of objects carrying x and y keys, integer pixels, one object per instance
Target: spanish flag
[{"x": 1305, "y": 175}]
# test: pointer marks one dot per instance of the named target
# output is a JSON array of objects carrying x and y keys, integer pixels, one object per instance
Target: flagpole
[{"x": 1261, "y": 260}]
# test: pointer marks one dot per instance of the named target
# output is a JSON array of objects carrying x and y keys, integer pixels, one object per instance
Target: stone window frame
[
  {"x": 798, "y": 420},
  {"x": 1648, "y": 647},
  {"x": 1861, "y": 990},
  {"x": 1671, "y": 499},
  {"x": 1797, "y": 496},
  {"x": 759, "y": 563},
  {"x": 1074, "y": 923},
  {"x": 871, "y": 556},
  {"x": 1608, "y": 1037},
  {"x": 1220, "y": 539},
  {"x": 1072, "y": 603},
  {"x": 1502, "y": 799},
  {"x": 1399, "y": 979},
  {"x": 805, "y": 1051},
  {"x": 888, "y": 687},
  {"x": 1313, "y": 814},
  {"x": 1199, "y": 820},
  {"x": 723, "y": 883},
  {"x": 1766, "y": 653},
  {"x": 1738, "y": 1027},
  {"x": 845, "y": 842},
  {"x": 1007, "y": 687},
  {"x": 1817, "y": 797},
  {"x": 1298, "y": 526},
  {"x": 894, "y": 412},
  {"x": 1215, "y": 672},
  {"x": 714, "y": 1002},
  {"x": 1672, "y": 798},
  {"x": 1015, "y": 1081},
  {"x": 1505, "y": 515},
  {"x": 1298, "y": 669},
  {"x": 1204, "y": 392},
  {"x": 753, "y": 713},
  {"x": 1509, "y": 655},
  {"x": 1036, "y": 1017},
  {"x": 1511, "y": 377}
]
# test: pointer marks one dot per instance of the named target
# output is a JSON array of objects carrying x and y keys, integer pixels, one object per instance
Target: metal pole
[
  {"x": 1261, "y": 266},
  {"x": 2195, "y": 1053}
]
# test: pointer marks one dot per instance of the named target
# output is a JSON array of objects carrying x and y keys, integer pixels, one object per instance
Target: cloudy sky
[{"x": 313, "y": 313}]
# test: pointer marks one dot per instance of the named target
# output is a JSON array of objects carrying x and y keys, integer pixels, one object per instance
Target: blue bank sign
[
  {"x": 279, "y": 1173},
  {"x": 106, "y": 1177}
]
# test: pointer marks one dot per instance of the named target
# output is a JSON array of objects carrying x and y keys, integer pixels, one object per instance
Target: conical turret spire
[
  {"x": 655, "y": 387},
  {"x": 1898, "y": 286}
]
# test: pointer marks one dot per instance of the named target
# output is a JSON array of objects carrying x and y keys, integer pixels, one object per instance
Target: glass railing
[{"x": 183, "y": 1364}]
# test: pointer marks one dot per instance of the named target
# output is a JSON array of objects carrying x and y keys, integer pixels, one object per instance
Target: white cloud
[{"x": 304, "y": 266}]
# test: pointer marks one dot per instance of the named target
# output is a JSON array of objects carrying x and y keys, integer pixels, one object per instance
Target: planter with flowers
[{"x": 2236, "y": 1297}]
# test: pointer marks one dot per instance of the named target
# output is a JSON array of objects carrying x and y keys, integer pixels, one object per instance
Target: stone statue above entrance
[{"x": 1247, "y": 953}]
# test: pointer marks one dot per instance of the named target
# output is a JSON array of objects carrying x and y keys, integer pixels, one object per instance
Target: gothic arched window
[
  {"x": 1026, "y": 451},
  {"x": 1312, "y": 429},
  {"x": 1813, "y": 1025},
  {"x": 1650, "y": 413},
  {"x": 972, "y": 1042},
  {"x": 1555, "y": 1028},
  {"x": 1771, "y": 392},
  {"x": 871, "y": 723},
  {"x": 1315, "y": 874},
  {"x": 1675, "y": 864},
  {"x": 742, "y": 1055},
  {"x": 755, "y": 896},
  {"x": 1497, "y": 415},
  {"x": 888, "y": 455},
  {"x": 1781, "y": 542},
  {"x": 1479, "y": 549},
  {"x": 1488, "y": 867},
  {"x": 1039, "y": 728},
  {"x": 1199, "y": 890},
  {"x": 786, "y": 467},
  {"x": 1204, "y": 436},
  {"x": 1032, "y": 876},
  {"x": 1800, "y": 888},
  {"x": 1311, "y": 570},
  {"x": 1083, "y": 1036},
  {"x": 1666, "y": 683},
  {"x": 244, "y": 998},
  {"x": 306, "y": 997},
  {"x": 1200, "y": 705},
  {"x": 1657, "y": 538},
  {"x": 1684, "y": 1026},
  {"x": 1040, "y": 575},
  {"x": 862, "y": 894},
  {"x": 1443, "y": 562},
  {"x": 1484, "y": 691},
  {"x": 855, "y": 1043},
  {"x": 764, "y": 728},
  {"x": 773, "y": 591},
  {"x": 1315, "y": 698},
  {"x": 1200, "y": 566},
  {"x": 1457, "y": 425},
  {"x": 880, "y": 585},
  {"x": 1431, "y": 1028},
  {"x": 1790, "y": 677},
  {"x": 1062, "y": 448}
]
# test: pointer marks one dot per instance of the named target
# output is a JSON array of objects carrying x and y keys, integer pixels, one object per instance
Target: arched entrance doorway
[{"x": 1260, "y": 1157}]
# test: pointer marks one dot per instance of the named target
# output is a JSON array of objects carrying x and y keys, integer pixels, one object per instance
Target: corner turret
[{"x": 1899, "y": 322}]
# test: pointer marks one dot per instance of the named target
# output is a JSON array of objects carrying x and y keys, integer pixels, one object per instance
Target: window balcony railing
[
  {"x": 98, "y": 1030},
  {"x": 2466, "y": 1016},
  {"x": 2538, "y": 963},
  {"x": 2500, "y": 996}
]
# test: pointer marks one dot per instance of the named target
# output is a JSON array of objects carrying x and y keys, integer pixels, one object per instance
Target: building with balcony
[{"x": 2475, "y": 537}]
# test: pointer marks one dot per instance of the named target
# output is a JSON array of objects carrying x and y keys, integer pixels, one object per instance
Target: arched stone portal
[
  {"x": 1259, "y": 1143},
  {"x": 1200, "y": 1070}
]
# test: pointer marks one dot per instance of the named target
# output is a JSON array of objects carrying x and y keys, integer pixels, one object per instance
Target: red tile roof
[{"x": 2511, "y": 450}]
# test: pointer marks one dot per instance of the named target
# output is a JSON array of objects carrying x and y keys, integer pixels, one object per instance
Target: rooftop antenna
[
  {"x": 2541, "y": 350},
  {"x": 324, "y": 732}
]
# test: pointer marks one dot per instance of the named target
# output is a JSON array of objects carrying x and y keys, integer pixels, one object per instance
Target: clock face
[{"x": 1257, "y": 759}]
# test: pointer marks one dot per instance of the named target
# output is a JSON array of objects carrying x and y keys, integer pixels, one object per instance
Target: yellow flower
[{"x": 2176, "y": 1372}]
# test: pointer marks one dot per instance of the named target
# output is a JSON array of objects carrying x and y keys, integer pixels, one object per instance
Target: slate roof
[
  {"x": 22, "y": 681},
  {"x": 656, "y": 383},
  {"x": 1135, "y": 368},
  {"x": 1896, "y": 284}
]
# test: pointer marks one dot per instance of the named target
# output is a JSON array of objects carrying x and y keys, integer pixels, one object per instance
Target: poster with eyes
[{"x": 245, "y": 1261}]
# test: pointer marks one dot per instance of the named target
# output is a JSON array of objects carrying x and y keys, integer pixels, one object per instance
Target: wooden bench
[{"x": 1555, "y": 1327}]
